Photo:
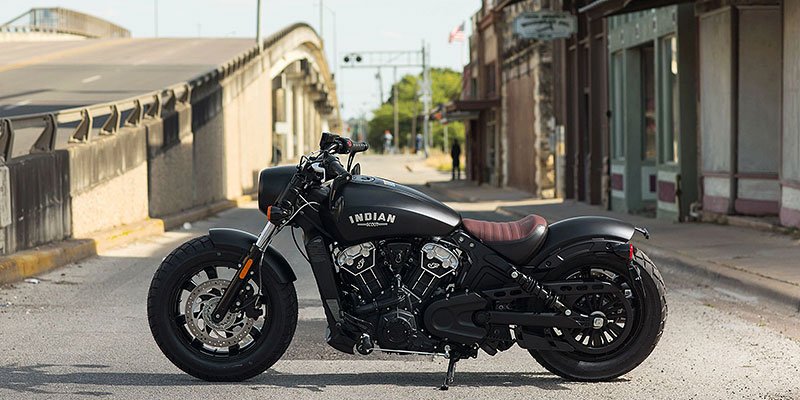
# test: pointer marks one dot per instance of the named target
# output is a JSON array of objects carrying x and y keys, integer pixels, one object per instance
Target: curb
[
  {"x": 774, "y": 290},
  {"x": 32, "y": 262},
  {"x": 455, "y": 195},
  {"x": 202, "y": 212},
  {"x": 27, "y": 263}
]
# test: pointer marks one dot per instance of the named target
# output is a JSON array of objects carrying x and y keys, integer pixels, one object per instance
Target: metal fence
[{"x": 62, "y": 20}]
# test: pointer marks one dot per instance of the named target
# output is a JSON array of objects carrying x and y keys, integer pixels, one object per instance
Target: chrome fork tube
[
  {"x": 223, "y": 306},
  {"x": 265, "y": 236}
]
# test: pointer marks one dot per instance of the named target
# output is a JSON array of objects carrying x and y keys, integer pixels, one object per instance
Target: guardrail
[
  {"x": 117, "y": 114},
  {"x": 134, "y": 109}
]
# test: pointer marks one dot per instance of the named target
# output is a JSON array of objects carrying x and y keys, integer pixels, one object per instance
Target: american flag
[{"x": 457, "y": 34}]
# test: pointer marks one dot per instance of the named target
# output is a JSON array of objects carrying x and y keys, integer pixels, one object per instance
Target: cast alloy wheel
[{"x": 196, "y": 300}]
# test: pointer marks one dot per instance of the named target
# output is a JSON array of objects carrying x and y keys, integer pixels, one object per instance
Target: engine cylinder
[
  {"x": 435, "y": 263},
  {"x": 360, "y": 268}
]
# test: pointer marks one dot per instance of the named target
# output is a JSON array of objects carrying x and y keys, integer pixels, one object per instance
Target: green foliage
[{"x": 446, "y": 86}]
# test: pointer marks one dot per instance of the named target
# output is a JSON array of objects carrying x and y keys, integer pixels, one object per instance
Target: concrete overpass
[
  {"x": 57, "y": 23},
  {"x": 98, "y": 134}
]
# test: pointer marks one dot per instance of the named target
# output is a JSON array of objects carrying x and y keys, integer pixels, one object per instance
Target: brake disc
[{"x": 200, "y": 304}]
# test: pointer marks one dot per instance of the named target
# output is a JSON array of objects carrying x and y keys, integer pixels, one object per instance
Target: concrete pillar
[
  {"x": 297, "y": 117},
  {"x": 790, "y": 146},
  {"x": 288, "y": 118}
]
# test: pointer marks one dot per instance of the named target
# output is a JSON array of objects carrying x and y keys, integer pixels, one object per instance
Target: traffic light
[{"x": 351, "y": 56}]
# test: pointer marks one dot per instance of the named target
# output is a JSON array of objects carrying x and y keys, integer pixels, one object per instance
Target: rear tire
[
  {"x": 176, "y": 341},
  {"x": 636, "y": 348}
]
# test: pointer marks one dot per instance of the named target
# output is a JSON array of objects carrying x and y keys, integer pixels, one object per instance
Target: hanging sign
[{"x": 545, "y": 25}]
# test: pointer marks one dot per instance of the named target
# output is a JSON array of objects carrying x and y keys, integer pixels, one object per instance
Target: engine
[{"x": 388, "y": 281}]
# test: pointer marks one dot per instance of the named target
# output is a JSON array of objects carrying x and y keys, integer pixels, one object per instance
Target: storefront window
[
  {"x": 618, "y": 104},
  {"x": 671, "y": 107},
  {"x": 648, "y": 102}
]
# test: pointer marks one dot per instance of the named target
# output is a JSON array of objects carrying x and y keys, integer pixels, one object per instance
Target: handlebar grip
[
  {"x": 358, "y": 147},
  {"x": 337, "y": 168}
]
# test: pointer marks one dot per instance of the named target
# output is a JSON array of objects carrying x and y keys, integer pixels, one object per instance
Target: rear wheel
[
  {"x": 632, "y": 319},
  {"x": 184, "y": 291}
]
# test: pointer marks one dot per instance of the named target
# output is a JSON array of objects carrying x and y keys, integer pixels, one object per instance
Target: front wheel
[
  {"x": 633, "y": 319},
  {"x": 184, "y": 291}
]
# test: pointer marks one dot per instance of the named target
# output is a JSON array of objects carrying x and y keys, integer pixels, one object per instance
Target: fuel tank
[{"x": 370, "y": 208}]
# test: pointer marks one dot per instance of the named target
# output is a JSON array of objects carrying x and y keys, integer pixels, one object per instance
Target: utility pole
[
  {"x": 155, "y": 17},
  {"x": 445, "y": 123},
  {"x": 426, "y": 99},
  {"x": 259, "y": 42},
  {"x": 321, "y": 5},
  {"x": 335, "y": 55},
  {"x": 380, "y": 84},
  {"x": 395, "y": 92}
]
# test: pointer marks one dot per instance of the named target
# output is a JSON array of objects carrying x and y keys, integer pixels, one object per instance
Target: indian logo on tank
[{"x": 372, "y": 219}]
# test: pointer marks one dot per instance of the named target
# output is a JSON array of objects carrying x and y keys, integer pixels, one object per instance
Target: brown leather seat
[{"x": 516, "y": 240}]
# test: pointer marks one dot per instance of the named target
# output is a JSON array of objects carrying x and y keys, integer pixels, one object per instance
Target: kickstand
[{"x": 451, "y": 372}]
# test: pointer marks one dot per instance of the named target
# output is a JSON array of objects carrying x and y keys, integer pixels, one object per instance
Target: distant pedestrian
[
  {"x": 387, "y": 141},
  {"x": 418, "y": 143},
  {"x": 455, "y": 153}
]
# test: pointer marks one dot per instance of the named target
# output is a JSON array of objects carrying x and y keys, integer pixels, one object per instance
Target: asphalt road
[
  {"x": 38, "y": 77},
  {"x": 82, "y": 332},
  {"x": 45, "y": 76}
]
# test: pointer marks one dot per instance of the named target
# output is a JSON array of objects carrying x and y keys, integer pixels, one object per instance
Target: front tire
[
  {"x": 188, "y": 282},
  {"x": 649, "y": 314}
]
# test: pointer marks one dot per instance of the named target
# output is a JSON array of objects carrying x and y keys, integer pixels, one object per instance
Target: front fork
[{"x": 245, "y": 269}]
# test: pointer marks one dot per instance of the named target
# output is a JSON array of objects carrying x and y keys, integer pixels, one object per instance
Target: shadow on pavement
[
  {"x": 36, "y": 379},
  {"x": 317, "y": 382}
]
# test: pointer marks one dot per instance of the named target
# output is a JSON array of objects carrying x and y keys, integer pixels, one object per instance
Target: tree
[{"x": 446, "y": 86}]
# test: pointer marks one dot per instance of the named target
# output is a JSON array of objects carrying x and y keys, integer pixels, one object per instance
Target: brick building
[{"x": 507, "y": 99}]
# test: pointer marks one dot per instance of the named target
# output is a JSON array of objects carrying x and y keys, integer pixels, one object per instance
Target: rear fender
[
  {"x": 575, "y": 236},
  {"x": 272, "y": 260}
]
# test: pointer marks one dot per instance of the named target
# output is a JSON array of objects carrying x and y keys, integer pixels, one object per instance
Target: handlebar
[
  {"x": 341, "y": 145},
  {"x": 358, "y": 147}
]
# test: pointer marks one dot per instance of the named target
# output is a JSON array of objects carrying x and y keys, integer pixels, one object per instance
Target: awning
[
  {"x": 472, "y": 105},
  {"x": 607, "y": 8},
  {"x": 461, "y": 116}
]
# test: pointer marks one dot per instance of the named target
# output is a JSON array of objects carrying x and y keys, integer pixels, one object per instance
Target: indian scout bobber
[{"x": 402, "y": 273}]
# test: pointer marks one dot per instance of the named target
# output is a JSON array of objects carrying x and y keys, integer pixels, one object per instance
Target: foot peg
[{"x": 364, "y": 345}]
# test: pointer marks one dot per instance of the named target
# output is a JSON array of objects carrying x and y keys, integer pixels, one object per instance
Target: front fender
[
  {"x": 272, "y": 260},
  {"x": 570, "y": 232}
]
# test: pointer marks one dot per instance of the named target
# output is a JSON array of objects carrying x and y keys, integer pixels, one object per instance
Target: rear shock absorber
[{"x": 535, "y": 288}]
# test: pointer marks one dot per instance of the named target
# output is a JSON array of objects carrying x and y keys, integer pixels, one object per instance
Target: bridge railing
[
  {"x": 86, "y": 122},
  {"x": 62, "y": 20}
]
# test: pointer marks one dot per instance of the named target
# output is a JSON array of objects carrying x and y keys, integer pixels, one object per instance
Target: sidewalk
[{"x": 763, "y": 263}]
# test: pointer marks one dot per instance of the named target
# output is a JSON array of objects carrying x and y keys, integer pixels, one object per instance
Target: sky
[{"x": 361, "y": 25}]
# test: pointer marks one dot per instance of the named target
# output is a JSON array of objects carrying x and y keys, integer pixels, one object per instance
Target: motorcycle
[{"x": 402, "y": 273}]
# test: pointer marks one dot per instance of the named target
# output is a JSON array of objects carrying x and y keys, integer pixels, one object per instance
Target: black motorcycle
[{"x": 400, "y": 272}]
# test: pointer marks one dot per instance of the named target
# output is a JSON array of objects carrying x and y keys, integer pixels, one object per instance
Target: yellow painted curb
[
  {"x": 122, "y": 235},
  {"x": 28, "y": 263}
]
